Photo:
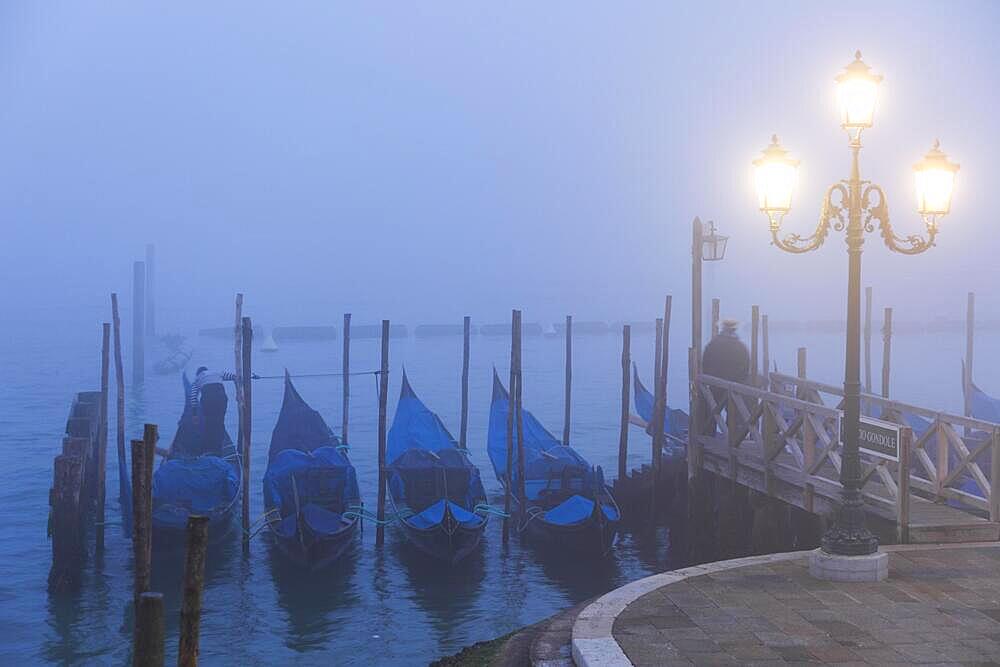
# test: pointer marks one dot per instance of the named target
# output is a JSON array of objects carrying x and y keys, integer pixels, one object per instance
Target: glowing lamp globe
[
  {"x": 857, "y": 94},
  {"x": 935, "y": 181},
  {"x": 775, "y": 177}
]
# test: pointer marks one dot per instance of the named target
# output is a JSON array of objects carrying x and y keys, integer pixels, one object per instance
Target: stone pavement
[{"x": 941, "y": 604}]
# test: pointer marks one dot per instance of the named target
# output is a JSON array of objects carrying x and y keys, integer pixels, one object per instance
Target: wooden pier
[{"x": 784, "y": 443}]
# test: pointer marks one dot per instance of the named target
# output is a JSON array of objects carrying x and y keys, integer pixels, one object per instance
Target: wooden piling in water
[
  {"x": 658, "y": 354},
  {"x": 626, "y": 386},
  {"x": 246, "y": 373},
  {"x": 464, "y": 426},
  {"x": 569, "y": 376},
  {"x": 886, "y": 350},
  {"x": 148, "y": 648},
  {"x": 800, "y": 371},
  {"x": 660, "y": 408},
  {"x": 66, "y": 527},
  {"x": 123, "y": 489},
  {"x": 383, "y": 396},
  {"x": 765, "y": 352},
  {"x": 194, "y": 583},
  {"x": 715, "y": 318},
  {"x": 150, "y": 310},
  {"x": 509, "y": 472},
  {"x": 519, "y": 419},
  {"x": 138, "y": 322},
  {"x": 143, "y": 452},
  {"x": 868, "y": 339},
  {"x": 102, "y": 437},
  {"x": 754, "y": 347},
  {"x": 970, "y": 328},
  {"x": 237, "y": 365},
  {"x": 346, "y": 360}
]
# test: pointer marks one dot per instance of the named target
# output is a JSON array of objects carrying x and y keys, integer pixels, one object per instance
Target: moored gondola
[
  {"x": 191, "y": 480},
  {"x": 436, "y": 493},
  {"x": 310, "y": 488},
  {"x": 675, "y": 421},
  {"x": 567, "y": 505}
]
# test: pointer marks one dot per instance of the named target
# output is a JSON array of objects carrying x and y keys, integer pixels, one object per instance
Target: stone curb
[{"x": 593, "y": 642}]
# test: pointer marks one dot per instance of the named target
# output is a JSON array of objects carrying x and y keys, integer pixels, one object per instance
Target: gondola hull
[
  {"x": 438, "y": 542},
  {"x": 315, "y": 552}
]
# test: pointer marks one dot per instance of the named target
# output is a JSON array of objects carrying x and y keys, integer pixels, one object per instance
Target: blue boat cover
[
  {"x": 189, "y": 482},
  {"x": 675, "y": 422},
  {"x": 546, "y": 459},
  {"x": 201, "y": 485},
  {"x": 434, "y": 514},
  {"x": 426, "y": 467},
  {"x": 299, "y": 427},
  {"x": 322, "y": 477},
  {"x": 415, "y": 427},
  {"x": 577, "y": 509},
  {"x": 984, "y": 406}
]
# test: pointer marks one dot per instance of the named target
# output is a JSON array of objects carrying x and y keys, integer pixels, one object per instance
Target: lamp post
[
  {"x": 705, "y": 247},
  {"x": 854, "y": 205}
]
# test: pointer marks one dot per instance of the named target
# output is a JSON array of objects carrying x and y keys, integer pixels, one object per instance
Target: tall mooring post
[
  {"x": 519, "y": 418},
  {"x": 383, "y": 399},
  {"x": 464, "y": 426},
  {"x": 970, "y": 334},
  {"x": 626, "y": 386},
  {"x": 886, "y": 350},
  {"x": 102, "y": 436},
  {"x": 246, "y": 375},
  {"x": 569, "y": 377},
  {"x": 124, "y": 493},
  {"x": 194, "y": 583},
  {"x": 150, "y": 289},
  {"x": 346, "y": 391},
  {"x": 138, "y": 322},
  {"x": 509, "y": 471},
  {"x": 694, "y": 353}
]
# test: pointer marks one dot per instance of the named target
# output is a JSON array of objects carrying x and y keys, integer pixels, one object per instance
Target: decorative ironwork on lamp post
[{"x": 855, "y": 206}]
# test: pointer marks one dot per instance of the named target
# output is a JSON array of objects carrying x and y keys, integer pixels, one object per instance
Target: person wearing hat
[
  {"x": 725, "y": 357},
  {"x": 208, "y": 401}
]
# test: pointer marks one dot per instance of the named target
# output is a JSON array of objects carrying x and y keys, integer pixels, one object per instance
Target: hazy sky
[{"x": 422, "y": 161}]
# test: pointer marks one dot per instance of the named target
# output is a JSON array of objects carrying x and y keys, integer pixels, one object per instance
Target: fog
[{"x": 423, "y": 161}]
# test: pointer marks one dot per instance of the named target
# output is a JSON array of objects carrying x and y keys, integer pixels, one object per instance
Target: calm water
[{"x": 385, "y": 608}]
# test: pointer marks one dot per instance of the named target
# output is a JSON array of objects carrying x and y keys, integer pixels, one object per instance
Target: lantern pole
[{"x": 863, "y": 203}]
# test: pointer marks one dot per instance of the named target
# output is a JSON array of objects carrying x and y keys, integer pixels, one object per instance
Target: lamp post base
[{"x": 831, "y": 567}]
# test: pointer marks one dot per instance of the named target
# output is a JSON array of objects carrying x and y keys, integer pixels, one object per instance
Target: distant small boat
[
  {"x": 434, "y": 489},
  {"x": 550, "y": 332},
  {"x": 310, "y": 486},
  {"x": 173, "y": 362},
  {"x": 269, "y": 345}
]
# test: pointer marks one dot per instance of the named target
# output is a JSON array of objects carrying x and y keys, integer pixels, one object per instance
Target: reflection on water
[
  {"x": 375, "y": 607},
  {"x": 311, "y": 600}
]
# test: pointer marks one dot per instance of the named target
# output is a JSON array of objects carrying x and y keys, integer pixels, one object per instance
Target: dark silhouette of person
[
  {"x": 210, "y": 410},
  {"x": 725, "y": 357}
]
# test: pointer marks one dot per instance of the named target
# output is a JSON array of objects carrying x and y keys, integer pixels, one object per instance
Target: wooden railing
[
  {"x": 797, "y": 438},
  {"x": 948, "y": 448}
]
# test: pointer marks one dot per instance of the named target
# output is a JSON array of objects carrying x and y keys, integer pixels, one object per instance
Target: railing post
[
  {"x": 903, "y": 486},
  {"x": 942, "y": 458},
  {"x": 808, "y": 444}
]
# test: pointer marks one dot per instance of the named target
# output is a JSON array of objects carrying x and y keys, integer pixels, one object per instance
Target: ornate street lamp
[{"x": 853, "y": 205}]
